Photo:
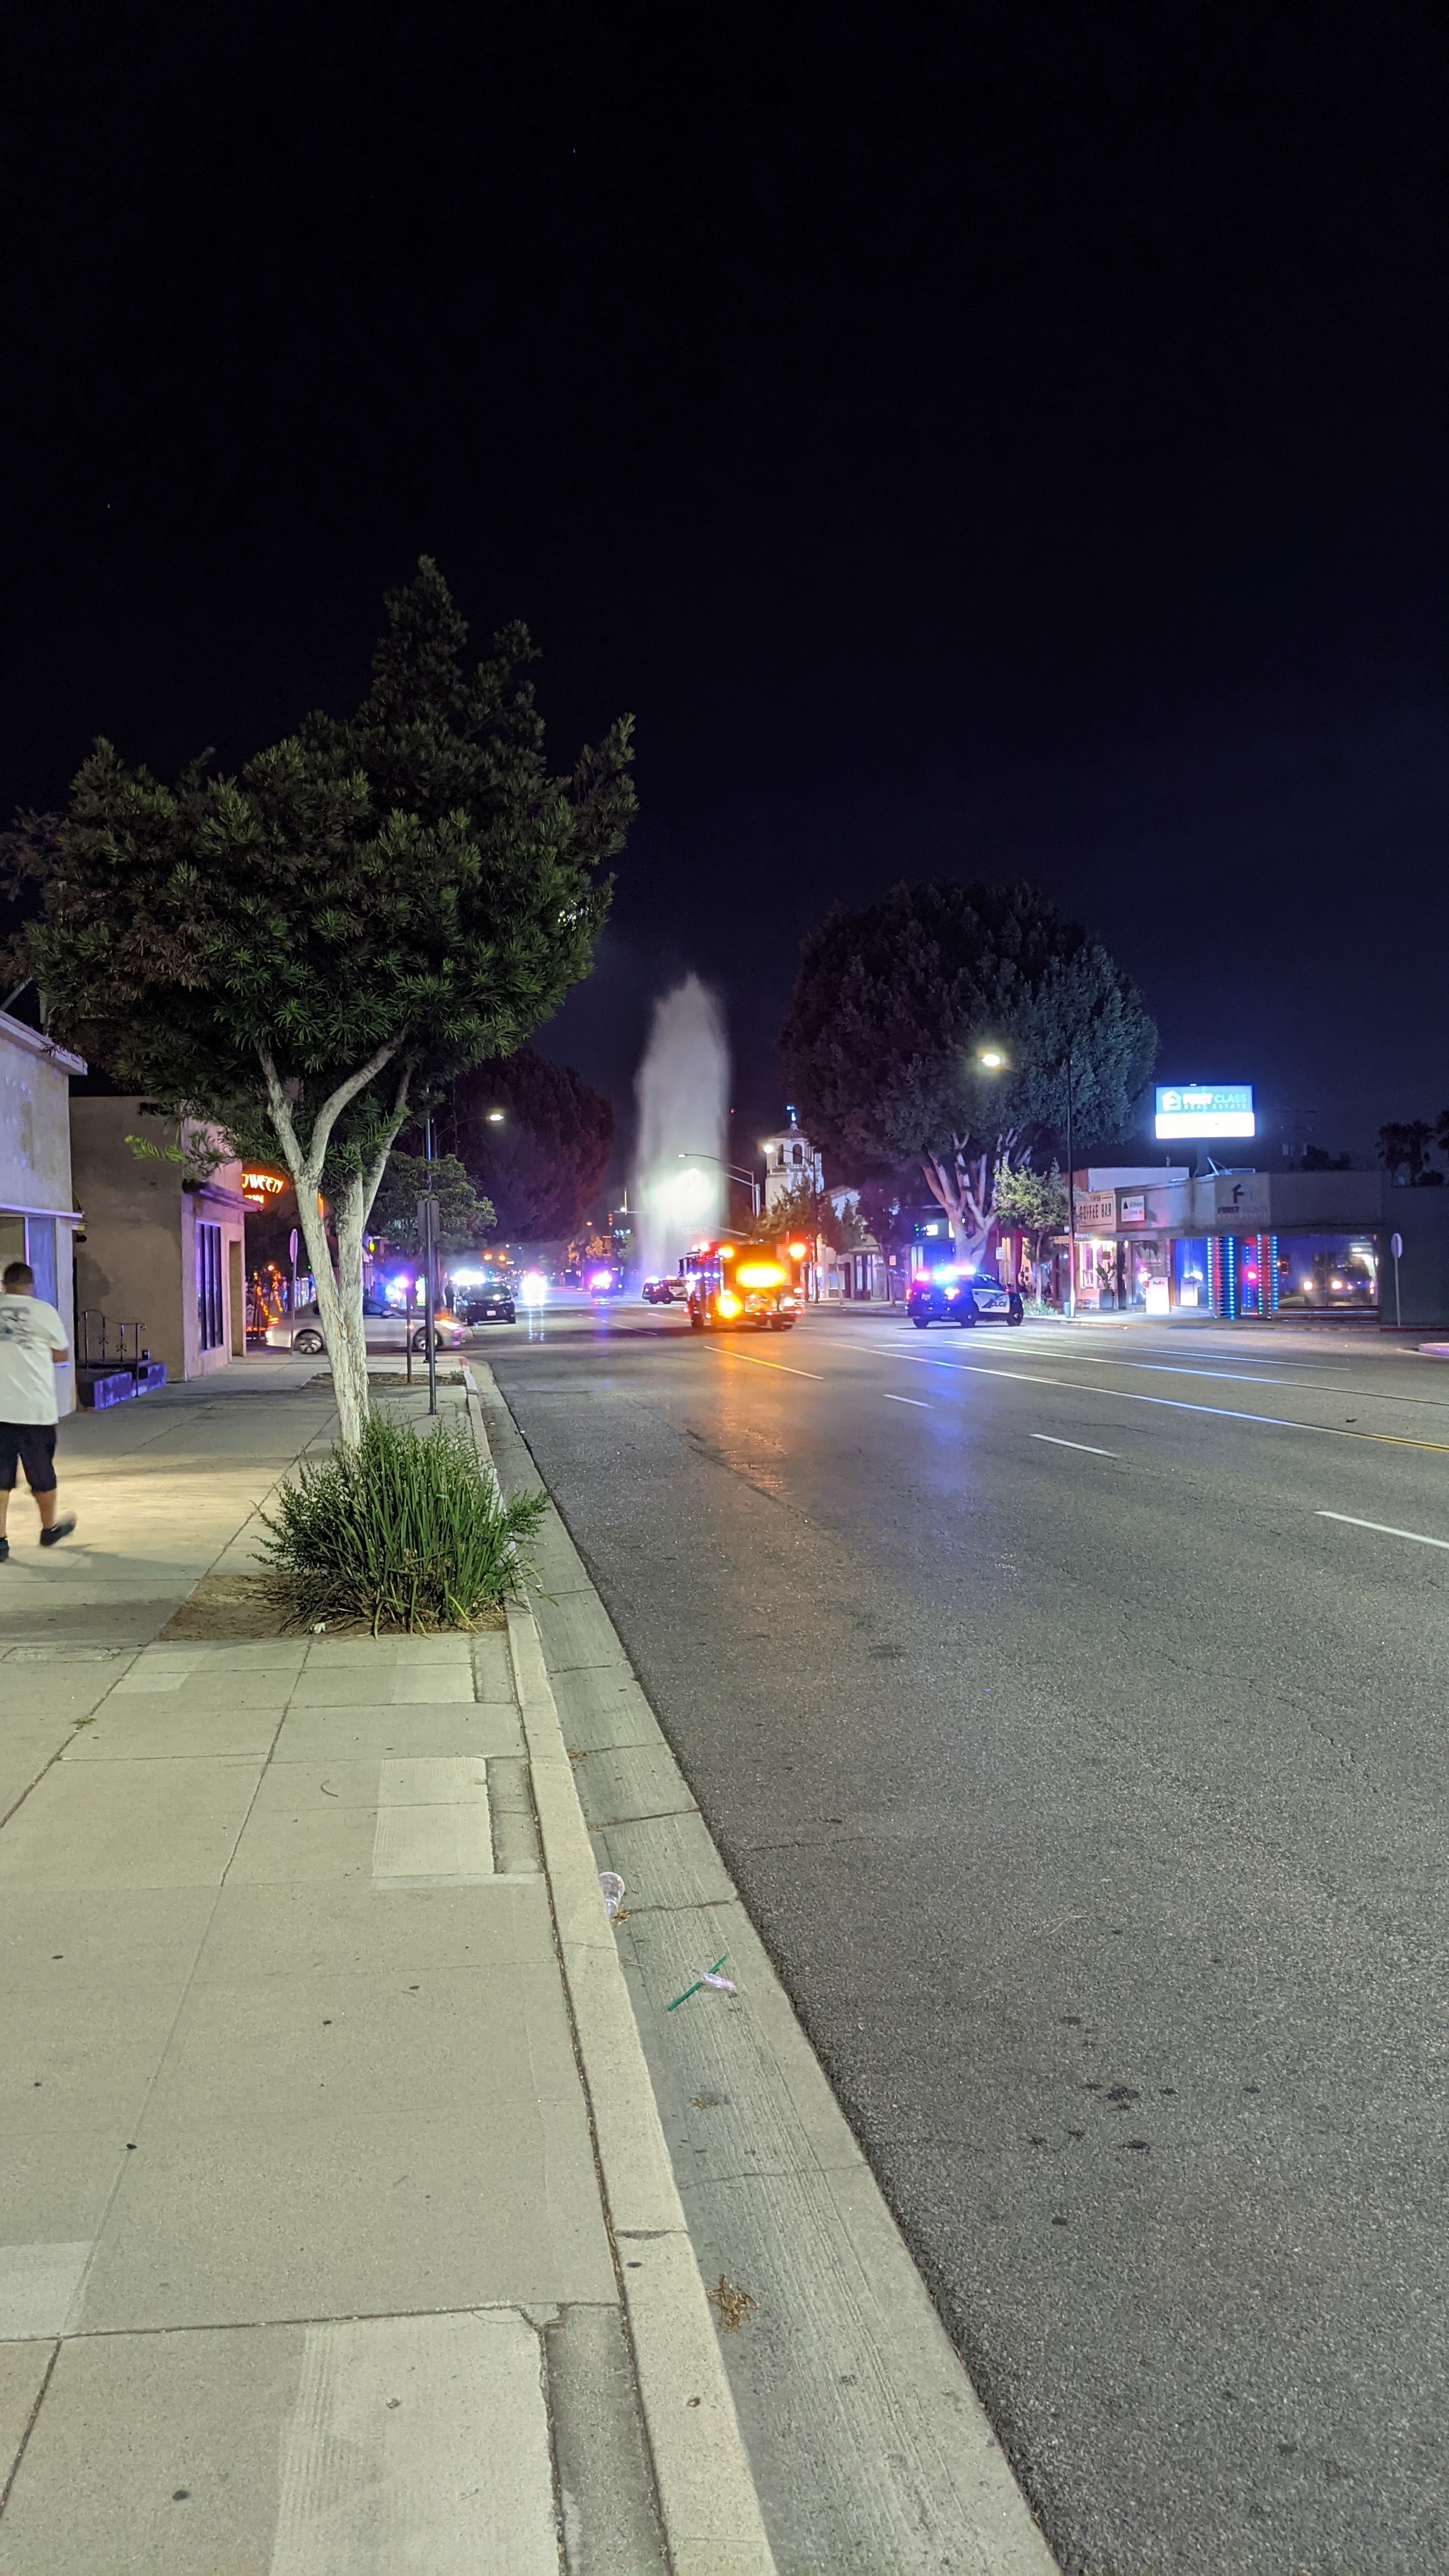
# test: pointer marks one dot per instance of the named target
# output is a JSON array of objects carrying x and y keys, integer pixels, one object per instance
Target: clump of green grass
[{"x": 403, "y": 1532}]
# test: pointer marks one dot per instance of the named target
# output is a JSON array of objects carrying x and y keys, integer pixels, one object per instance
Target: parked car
[
  {"x": 962, "y": 1296},
  {"x": 303, "y": 1333}
]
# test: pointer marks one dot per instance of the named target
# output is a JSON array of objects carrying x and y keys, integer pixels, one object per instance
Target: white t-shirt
[{"x": 29, "y": 1331}]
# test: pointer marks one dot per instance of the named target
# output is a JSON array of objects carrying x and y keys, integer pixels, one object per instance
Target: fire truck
[{"x": 737, "y": 1284}]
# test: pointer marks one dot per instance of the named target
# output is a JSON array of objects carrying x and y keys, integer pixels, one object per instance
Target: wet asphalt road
[{"x": 1088, "y": 1786}]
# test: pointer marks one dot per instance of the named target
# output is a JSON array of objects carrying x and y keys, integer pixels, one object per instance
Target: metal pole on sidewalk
[
  {"x": 430, "y": 1251},
  {"x": 1071, "y": 1206}
]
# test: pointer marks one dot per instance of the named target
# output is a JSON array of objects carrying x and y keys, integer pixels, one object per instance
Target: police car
[{"x": 961, "y": 1295}]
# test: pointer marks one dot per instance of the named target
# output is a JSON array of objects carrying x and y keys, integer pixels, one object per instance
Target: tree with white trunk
[{"x": 305, "y": 953}]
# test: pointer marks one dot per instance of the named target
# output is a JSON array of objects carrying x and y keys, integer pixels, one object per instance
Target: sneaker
[
  {"x": 4, "y": 1549},
  {"x": 57, "y": 1531}
]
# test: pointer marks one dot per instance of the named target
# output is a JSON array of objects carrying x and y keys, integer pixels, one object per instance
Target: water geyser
[{"x": 683, "y": 1088}]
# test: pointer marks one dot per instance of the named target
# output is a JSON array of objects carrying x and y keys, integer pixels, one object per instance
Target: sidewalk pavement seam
[
  {"x": 13, "y": 2471},
  {"x": 529, "y": 2310},
  {"x": 906, "y": 2471},
  {"x": 32, "y": 1785}
]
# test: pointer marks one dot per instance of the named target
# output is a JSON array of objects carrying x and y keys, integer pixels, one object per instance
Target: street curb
[
  {"x": 711, "y": 2515},
  {"x": 708, "y": 2507},
  {"x": 870, "y": 2445}
]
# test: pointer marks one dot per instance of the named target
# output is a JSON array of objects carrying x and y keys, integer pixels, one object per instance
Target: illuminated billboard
[{"x": 1204, "y": 1109}]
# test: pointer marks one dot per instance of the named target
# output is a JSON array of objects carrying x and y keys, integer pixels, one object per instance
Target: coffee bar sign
[
  {"x": 1102, "y": 1211},
  {"x": 1097, "y": 1210}
]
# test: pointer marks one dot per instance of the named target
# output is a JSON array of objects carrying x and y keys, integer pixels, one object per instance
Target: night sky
[{"x": 975, "y": 440}]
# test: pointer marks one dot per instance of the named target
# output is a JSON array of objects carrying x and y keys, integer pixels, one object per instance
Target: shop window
[
  {"x": 1190, "y": 1283},
  {"x": 210, "y": 1310},
  {"x": 1327, "y": 1271},
  {"x": 40, "y": 1253},
  {"x": 1145, "y": 1276}
]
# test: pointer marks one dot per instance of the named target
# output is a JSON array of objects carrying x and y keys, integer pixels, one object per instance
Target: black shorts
[{"x": 30, "y": 1445}]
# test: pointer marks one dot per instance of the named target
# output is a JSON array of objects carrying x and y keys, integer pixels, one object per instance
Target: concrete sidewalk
[{"x": 342, "y": 2234}]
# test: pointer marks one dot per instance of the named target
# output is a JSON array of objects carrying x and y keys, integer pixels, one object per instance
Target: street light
[
  {"x": 992, "y": 1058},
  {"x": 495, "y": 1117},
  {"x": 749, "y": 1178}
]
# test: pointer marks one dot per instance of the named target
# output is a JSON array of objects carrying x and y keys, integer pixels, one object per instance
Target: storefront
[
  {"x": 1124, "y": 1241},
  {"x": 38, "y": 1215},
  {"x": 1240, "y": 1245},
  {"x": 163, "y": 1253}
]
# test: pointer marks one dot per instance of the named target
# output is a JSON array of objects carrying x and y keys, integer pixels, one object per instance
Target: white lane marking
[
  {"x": 1385, "y": 1529},
  {"x": 781, "y": 1365},
  {"x": 1048, "y": 1345},
  {"x": 1084, "y": 1445},
  {"x": 1171, "y": 1403},
  {"x": 1171, "y": 1368},
  {"x": 418, "y": 2442},
  {"x": 1117, "y": 1394},
  {"x": 914, "y": 1400}
]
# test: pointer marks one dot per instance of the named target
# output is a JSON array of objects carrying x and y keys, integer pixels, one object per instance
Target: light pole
[
  {"x": 993, "y": 1059},
  {"x": 1071, "y": 1205},
  {"x": 428, "y": 1209}
]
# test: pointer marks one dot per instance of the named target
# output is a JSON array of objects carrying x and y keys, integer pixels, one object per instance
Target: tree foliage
[
  {"x": 801, "y": 1211},
  {"x": 1034, "y": 1201},
  {"x": 1405, "y": 1145},
  {"x": 463, "y": 1217},
  {"x": 542, "y": 1163},
  {"x": 303, "y": 951},
  {"x": 893, "y": 1006}
]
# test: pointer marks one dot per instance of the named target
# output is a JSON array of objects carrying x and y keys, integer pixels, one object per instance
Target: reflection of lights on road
[{"x": 533, "y": 1287}]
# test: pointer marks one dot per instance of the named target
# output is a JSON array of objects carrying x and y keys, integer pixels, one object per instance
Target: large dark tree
[
  {"x": 463, "y": 1217},
  {"x": 305, "y": 951},
  {"x": 533, "y": 1138},
  {"x": 896, "y": 1007},
  {"x": 1404, "y": 1146}
]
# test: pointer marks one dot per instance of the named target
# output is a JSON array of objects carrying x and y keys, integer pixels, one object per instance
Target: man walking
[{"x": 32, "y": 1344}]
